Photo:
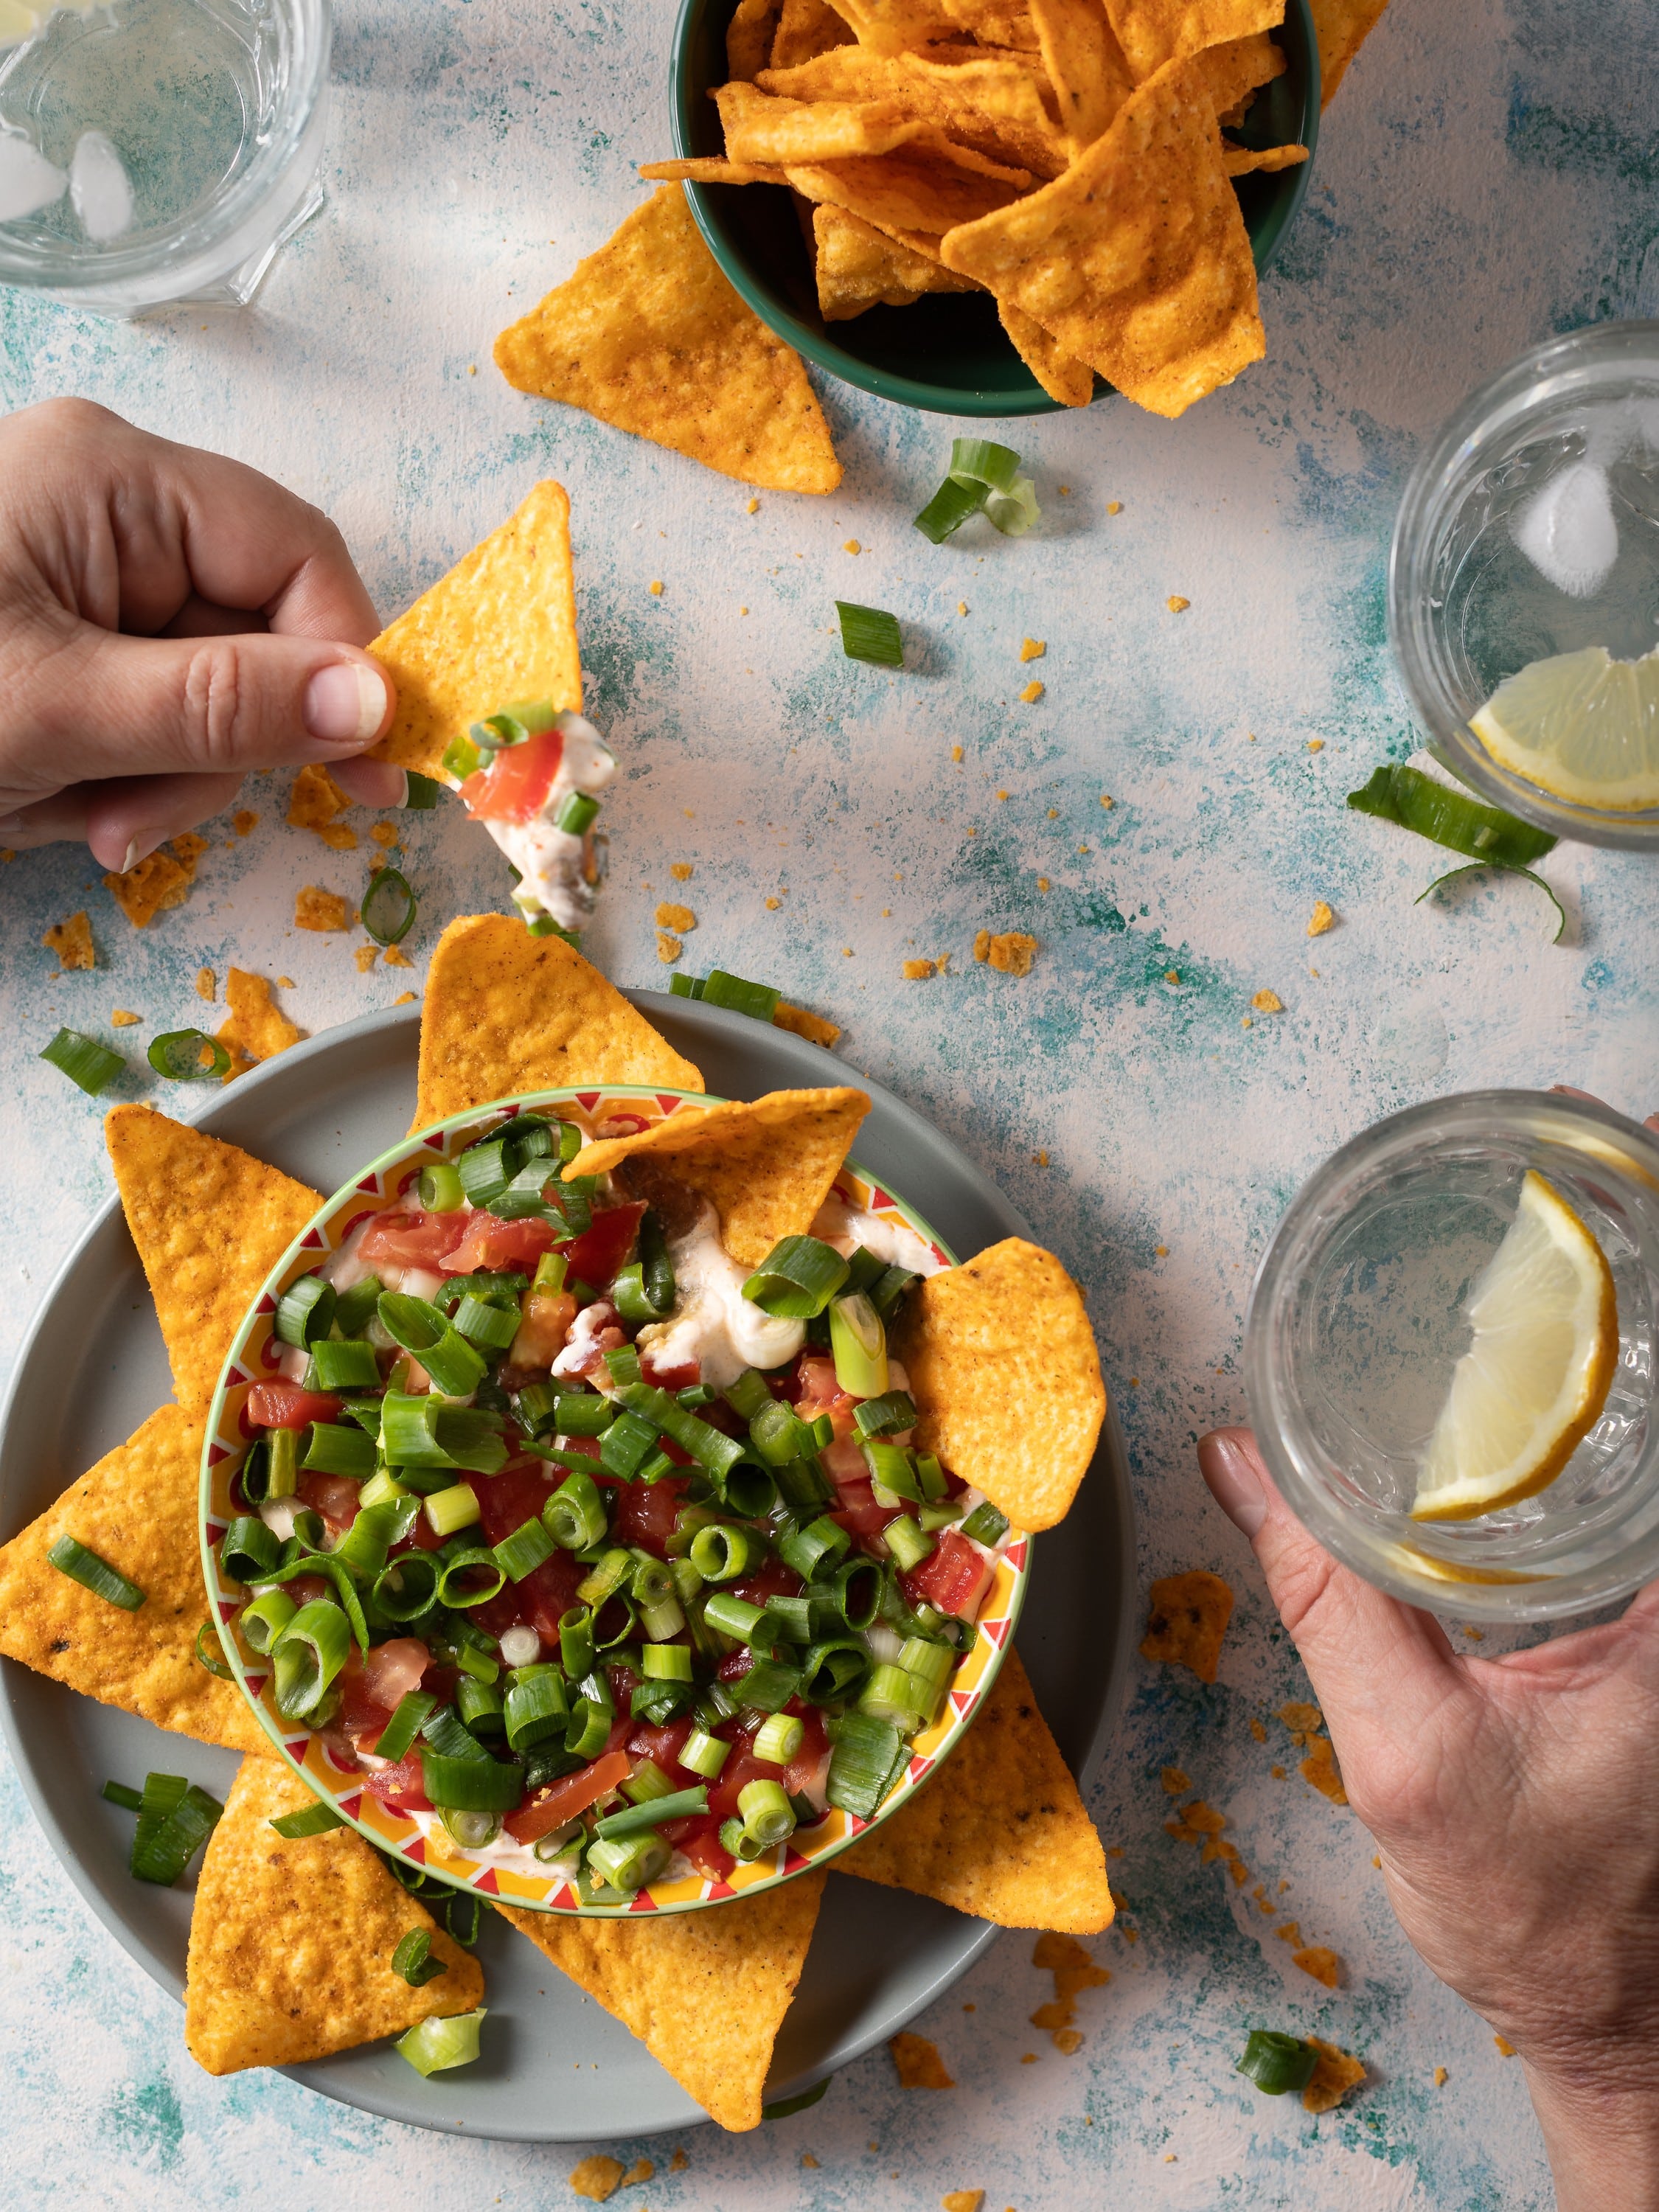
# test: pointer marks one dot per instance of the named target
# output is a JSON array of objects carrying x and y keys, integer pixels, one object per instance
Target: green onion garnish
[
  {"x": 305, "y": 1312},
  {"x": 318, "y": 1819},
  {"x": 308, "y": 1653},
  {"x": 482, "y": 1323},
  {"x": 574, "y": 1515},
  {"x": 458, "y": 1583},
  {"x": 884, "y": 1416},
  {"x": 536, "y": 1708},
  {"x": 796, "y": 1280},
  {"x": 175, "y": 1818},
  {"x": 264, "y": 1621},
  {"x": 814, "y": 1548},
  {"x": 524, "y": 1551},
  {"x": 768, "y": 1685},
  {"x": 577, "y": 813},
  {"x": 470, "y": 1785},
  {"x": 735, "y": 992},
  {"x": 389, "y": 906},
  {"x": 704, "y": 1753},
  {"x": 415, "y": 1708},
  {"x": 948, "y": 509},
  {"x": 97, "y": 1574},
  {"x": 1497, "y": 867},
  {"x": 118, "y": 1794},
  {"x": 440, "y": 1188},
  {"x": 588, "y": 1416},
  {"x": 981, "y": 475},
  {"x": 629, "y": 1863},
  {"x": 351, "y": 1366},
  {"x": 1416, "y": 802},
  {"x": 1277, "y": 2063},
  {"x": 418, "y": 1326},
  {"x": 908, "y": 1542},
  {"x": 870, "y": 634},
  {"x": 768, "y": 1815},
  {"x": 433, "y": 2046},
  {"x": 736, "y": 1840},
  {"x": 590, "y": 1724},
  {"x": 413, "y": 1959},
  {"x": 633, "y": 1819},
  {"x": 862, "y": 1755},
  {"x": 422, "y": 793},
  {"x": 722, "y": 1552},
  {"x": 207, "y": 1653},
  {"x": 834, "y": 1669},
  {"x": 355, "y": 1309},
  {"x": 406, "y": 1588},
  {"x": 778, "y": 1740},
  {"x": 576, "y": 1642},
  {"x": 92, "y": 1065},
  {"x": 984, "y": 1525},
  {"x": 858, "y": 1339},
  {"x": 188, "y": 1056}
]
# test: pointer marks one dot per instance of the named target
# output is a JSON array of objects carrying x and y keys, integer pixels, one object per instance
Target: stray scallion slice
[
  {"x": 986, "y": 1525},
  {"x": 759, "y": 1000},
  {"x": 1014, "y": 511},
  {"x": 413, "y": 1959},
  {"x": 1276, "y": 2062},
  {"x": 1500, "y": 868},
  {"x": 188, "y": 1056},
  {"x": 870, "y": 634},
  {"x": 577, "y": 814},
  {"x": 980, "y": 461},
  {"x": 86, "y": 1062},
  {"x": 175, "y": 1820},
  {"x": 948, "y": 509},
  {"x": 316, "y": 1819},
  {"x": 1415, "y": 801},
  {"x": 389, "y": 906},
  {"x": 85, "y": 1567},
  {"x": 133, "y": 1799},
  {"x": 433, "y": 2045},
  {"x": 207, "y": 1653},
  {"x": 423, "y": 792}
]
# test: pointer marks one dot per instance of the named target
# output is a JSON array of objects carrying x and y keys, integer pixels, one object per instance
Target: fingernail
[
  {"x": 141, "y": 848},
  {"x": 1233, "y": 1483},
  {"x": 345, "y": 703}
]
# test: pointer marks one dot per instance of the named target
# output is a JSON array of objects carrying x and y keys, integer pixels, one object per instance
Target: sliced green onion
[
  {"x": 524, "y": 1551},
  {"x": 576, "y": 1642},
  {"x": 814, "y": 1549},
  {"x": 473, "y": 1561},
  {"x": 481, "y": 1707},
  {"x": 803, "y": 1619},
  {"x": 833, "y": 1669},
  {"x": 96, "y": 1575},
  {"x": 929, "y": 1661},
  {"x": 91, "y": 1065},
  {"x": 440, "y": 1188},
  {"x": 175, "y": 1820},
  {"x": 892, "y": 1694},
  {"x": 389, "y": 906},
  {"x": 578, "y": 814},
  {"x": 931, "y": 1476},
  {"x": 248, "y": 1551},
  {"x": 855, "y": 1590},
  {"x": 737, "y": 1842},
  {"x": 704, "y": 1753},
  {"x": 448, "y": 1735},
  {"x": 574, "y": 1515},
  {"x": 980, "y": 461},
  {"x": 471, "y": 1660},
  {"x": 656, "y": 1269},
  {"x": 747, "y": 1394},
  {"x": 666, "y": 1662},
  {"x": 449, "y": 1510},
  {"x": 413, "y": 1961},
  {"x": 177, "y": 1055},
  {"x": 804, "y": 1484},
  {"x": 483, "y": 1323},
  {"x": 527, "y": 1198},
  {"x": 585, "y": 1415},
  {"x": 782, "y": 2107},
  {"x": 627, "y": 1445},
  {"x": 1276, "y": 2062},
  {"x": 351, "y": 1366},
  {"x": 892, "y": 1471},
  {"x": 377, "y": 1527},
  {"x": 461, "y": 758},
  {"x": 629, "y": 1863},
  {"x": 948, "y": 509},
  {"x": 607, "y": 1577},
  {"x": 633, "y": 1819},
  {"x": 118, "y": 1794},
  {"x": 417, "y": 1433},
  {"x": 464, "y": 1917},
  {"x": 776, "y": 1434},
  {"x": 908, "y": 1542},
  {"x": 415, "y": 1708},
  {"x": 355, "y": 1309},
  {"x": 768, "y": 1685},
  {"x": 1014, "y": 511},
  {"x": 889, "y": 1288},
  {"x": 733, "y": 1615},
  {"x": 282, "y": 1463},
  {"x": 305, "y": 1312},
  {"x": 418, "y": 1327},
  {"x": 309, "y": 1652},
  {"x": 862, "y": 1755},
  {"x": 886, "y": 1415},
  {"x": 485, "y": 1170},
  {"x": 1415, "y": 801},
  {"x": 796, "y": 1280},
  {"x": 338, "y": 1446},
  {"x": 857, "y": 1339},
  {"x": 984, "y": 1525},
  {"x": 778, "y": 1740},
  {"x": 264, "y": 1621},
  {"x": 590, "y": 1725},
  {"x": 722, "y": 1553},
  {"x": 407, "y": 1587},
  {"x": 759, "y": 1000},
  {"x": 706, "y": 1444},
  {"x": 470, "y": 1785},
  {"x": 422, "y": 792},
  {"x": 536, "y": 1709},
  {"x": 207, "y": 1653},
  {"x": 316, "y": 1819},
  {"x": 433, "y": 2046},
  {"x": 940, "y": 1516},
  {"x": 1498, "y": 868},
  {"x": 767, "y": 1813},
  {"x": 870, "y": 634},
  {"x": 688, "y": 1582}
]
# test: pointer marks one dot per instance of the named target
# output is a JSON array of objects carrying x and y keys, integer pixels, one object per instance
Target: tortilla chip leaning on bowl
[
  {"x": 291, "y": 1939},
  {"x": 137, "y": 1509}
]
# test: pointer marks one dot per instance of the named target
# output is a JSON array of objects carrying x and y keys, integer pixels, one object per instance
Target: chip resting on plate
[
  {"x": 648, "y": 335},
  {"x": 1137, "y": 259},
  {"x": 210, "y": 1222},
  {"x": 765, "y": 1167},
  {"x": 705, "y": 1992},
  {"x": 506, "y": 1011},
  {"x": 1187, "y": 1620},
  {"x": 1342, "y": 27},
  {"x": 999, "y": 1830},
  {"x": 500, "y": 626},
  {"x": 291, "y": 1939},
  {"x": 1002, "y": 1363},
  {"x": 137, "y": 1509}
]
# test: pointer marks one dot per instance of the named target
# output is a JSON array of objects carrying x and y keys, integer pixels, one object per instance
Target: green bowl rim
[{"x": 909, "y": 392}]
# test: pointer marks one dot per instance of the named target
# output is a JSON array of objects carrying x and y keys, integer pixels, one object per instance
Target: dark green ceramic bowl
[{"x": 946, "y": 353}]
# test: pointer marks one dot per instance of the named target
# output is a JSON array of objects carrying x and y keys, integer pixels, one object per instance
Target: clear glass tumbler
[
  {"x": 153, "y": 151},
  {"x": 1468, "y": 607},
  {"x": 1356, "y": 1322}
]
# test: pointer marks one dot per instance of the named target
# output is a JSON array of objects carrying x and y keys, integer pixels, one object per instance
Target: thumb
[{"x": 1379, "y": 1668}]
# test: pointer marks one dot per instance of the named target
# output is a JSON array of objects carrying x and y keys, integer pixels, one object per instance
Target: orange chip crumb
[
  {"x": 1188, "y": 1620},
  {"x": 1289, "y": 1931},
  {"x": 1115, "y": 507},
  {"x": 679, "y": 918},
  {"x": 1439, "y": 2077},
  {"x": 244, "y": 820},
  {"x": 316, "y": 908},
  {"x": 404, "y": 999},
  {"x": 314, "y": 802},
  {"x": 366, "y": 956},
  {"x": 956, "y": 752},
  {"x": 255, "y": 1029},
  {"x": 1172, "y": 974},
  {"x": 1315, "y": 745},
  {"x": 122, "y": 1019},
  {"x": 1205, "y": 1818},
  {"x": 680, "y": 871},
  {"x": 813, "y": 1027},
  {"x": 852, "y": 546},
  {"x": 1505, "y": 2048},
  {"x": 1034, "y": 648},
  {"x": 915, "y": 970},
  {"x": 773, "y": 904},
  {"x": 1298, "y": 1715},
  {"x": 1041, "y": 1159},
  {"x": 1320, "y": 919},
  {"x": 1336, "y": 2073},
  {"x": 206, "y": 984},
  {"x": 1068, "y": 2039},
  {"x": 395, "y": 956},
  {"x": 656, "y": 588},
  {"x": 384, "y": 833},
  {"x": 1032, "y": 693},
  {"x": 669, "y": 949},
  {"x": 71, "y": 941},
  {"x": 1267, "y": 1002},
  {"x": 597, "y": 2177},
  {"x": 1277, "y": 1773},
  {"x": 1175, "y": 1781},
  {"x": 1011, "y": 954},
  {"x": 1028, "y": 2058},
  {"x": 1320, "y": 1768},
  {"x": 1043, "y": 884},
  {"x": 919, "y": 2066},
  {"x": 963, "y": 2200},
  {"x": 642, "y": 2170},
  {"x": 159, "y": 881},
  {"x": 983, "y": 945},
  {"x": 1176, "y": 605},
  {"x": 806, "y": 2157},
  {"x": 753, "y": 507},
  {"x": 1257, "y": 1730}
]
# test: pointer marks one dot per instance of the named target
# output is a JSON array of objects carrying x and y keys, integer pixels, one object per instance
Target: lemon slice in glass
[
  {"x": 1580, "y": 726},
  {"x": 1535, "y": 1378}
]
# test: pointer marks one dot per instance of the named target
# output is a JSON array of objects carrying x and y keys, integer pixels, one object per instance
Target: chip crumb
[
  {"x": 642, "y": 2170},
  {"x": 656, "y": 587},
  {"x": 1319, "y": 1769},
  {"x": 680, "y": 919},
  {"x": 1337, "y": 2072},
  {"x": 1188, "y": 1620},
  {"x": 7, "y": 853},
  {"x": 71, "y": 941},
  {"x": 680, "y": 871},
  {"x": 1041, "y": 1159},
  {"x": 1277, "y": 1773},
  {"x": 1175, "y": 1781},
  {"x": 678, "y": 2163},
  {"x": 1376, "y": 1861},
  {"x": 404, "y": 999},
  {"x": 123, "y": 1020},
  {"x": 962, "y": 606},
  {"x": 395, "y": 956},
  {"x": 1028, "y": 2058},
  {"x": 1315, "y": 745},
  {"x": 316, "y": 908},
  {"x": 983, "y": 945},
  {"x": 1257, "y": 1730},
  {"x": 1320, "y": 1961},
  {"x": 598, "y": 2177},
  {"x": 244, "y": 820},
  {"x": 1161, "y": 1251},
  {"x": 314, "y": 802},
  {"x": 1246, "y": 1022},
  {"x": 1267, "y": 1002},
  {"x": 1115, "y": 507},
  {"x": 384, "y": 833},
  {"x": 159, "y": 881},
  {"x": 807, "y": 2159},
  {"x": 1032, "y": 693},
  {"x": 915, "y": 970},
  {"x": 852, "y": 546},
  {"x": 1043, "y": 884},
  {"x": 256, "y": 1029},
  {"x": 1320, "y": 919},
  {"x": 1068, "y": 2039},
  {"x": 956, "y": 752},
  {"x": 365, "y": 956},
  {"x": 1176, "y": 605},
  {"x": 1011, "y": 954},
  {"x": 799, "y": 1022},
  {"x": 669, "y": 949},
  {"x": 919, "y": 2066},
  {"x": 1297, "y": 1715},
  {"x": 1034, "y": 648},
  {"x": 1505, "y": 2048},
  {"x": 963, "y": 2200},
  {"x": 773, "y": 904},
  {"x": 753, "y": 507}
]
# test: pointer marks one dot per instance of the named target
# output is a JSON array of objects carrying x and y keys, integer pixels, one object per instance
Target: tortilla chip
[
  {"x": 999, "y": 1830},
  {"x": 500, "y": 626},
  {"x": 1002, "y": 1363},
  {"x": 71, "y": 941},
  {"x": 649, "y": 336},
  {"x": 917, "y": 2062},
  {"x": 210, "y": 1222},
  {"x": 891, "y": 26},
  {"x": 996, "y": 105},
  {"x": 1137, "y": 259},
  {"x": 766, "y": 1168},
  {"x": 137, "y": 1509},
  {"x": 806, "y": 29},
  {"x": 1153, "y": 33},
  {"x": 748, "y": 39},
  {"x": 1337, "y": 2072},
  {"x": 858, "y": 267},
  {"x": 1085, "y": 65},
  {"x": 257, "y": 1027},
  {"x": 705, "y": 1992},
  {"x": 1004, "y": 23},
  {"x": 291, "y": 1941},
  {"x": 1071, "y": 382},
  {"x": 707, "y": 169},
  {"x": 1243, "y": 161},
  {"x": 1186, "y": 1621},
  {"x": 1342, "y": 27},
  {"x": 159, "y": 881},
  {"x": 929, "y": 185},
  {"x": 1239, "y": 68},
  {"x": 315, "y": 909},
  {"x": 760, "y": 127},
  {"x": 506, "y": 1012},
  {"x": 801, "y": 1023}
]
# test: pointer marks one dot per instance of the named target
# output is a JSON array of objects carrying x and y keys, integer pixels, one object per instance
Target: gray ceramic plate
[{"x": 557, "y": 2068}]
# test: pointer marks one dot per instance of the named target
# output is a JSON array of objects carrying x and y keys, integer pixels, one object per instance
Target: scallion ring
[{"x": 389, "y": 906}]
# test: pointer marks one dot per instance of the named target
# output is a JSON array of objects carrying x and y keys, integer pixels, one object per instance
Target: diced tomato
[
  {"x": 392, "y": 1669},
  {"x": 595, "y": 1256},
  {"x": 496, "y": 1246},
  {"x": 819, "y": 1392},
  {"x": 286, "y": 1405},
  {"x": 699, "y": 1837},
  {"x": 495, "y": 1615},
  {"x": 671, "y": 1375},
  {"x": 562, "y": 1801},
  {"x": 361, "y": 1714},
  {"x": 402, "y": 1785},
  {"x": 595, "y": 1334},
  {"x": 735, "y": 1665},
  {"x": 513, "y": 787},
  {"x": 423, "y": 1537},
  {"x": 508, "y": 1500},
  {"x": 440, "y": 1682},
  {"x": 663, "y": 1746},
  {"x": 740, "y": 1770},
  {"x": 844, "y": 1463},
  {"x": 803, "y": 1768},
  {"x": 858, "y": 1512},
  {"x": 413, "y": 1239},
  {"x": 542, "y": 1333},
  {"x": 645, "y": 1513},
  {"x": 304, "y": 1588},
  {"x": 772, "y": 1578},
  {"x": 953, "y": 1579},
  {"x": 332, "y": 1496},
  {"x": 547, "y": 1594}
]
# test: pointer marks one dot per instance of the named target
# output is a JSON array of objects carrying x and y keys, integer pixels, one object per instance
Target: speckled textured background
[{"x": 1485, "y": 177}]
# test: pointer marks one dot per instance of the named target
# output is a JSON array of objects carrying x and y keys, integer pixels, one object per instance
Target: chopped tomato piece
[
  {"x": 645, "y": 1513},
  {"x": 304, "y": 1588},
  {"x": 547, "y": 1594},
  {"x": 333, "y": 1495},
  {"x": 772, "y": 1578},
  {"x": 595, "y": 1256},
  {"x": 595, "y": 1334},
  {"x": 508, "y": 1500},
  {"x": 699, "y": 1837},
  {"x": 819, "y": 1392},
  {"x": 739, "y": 1771},
  {"x": 953, "y": 1579},
  {"x": 286, "y": 1405},
  {"x": 392, "y": 1669},
  {"x": 562, "y": 1801},
  {"x": 413, "y": 1239},
  {"x": 542, "y": 1333},
  {"x": 671, "y": 1374},
  {"x": 857, "y": 1511},
  {"x": 662, "y": 1747},
  {"x": 803, "y": 1768},
  {"x": 402, "y": 1785},
  {"x": 514, "y": 786},
  {"x": 482, "y": 1243}
]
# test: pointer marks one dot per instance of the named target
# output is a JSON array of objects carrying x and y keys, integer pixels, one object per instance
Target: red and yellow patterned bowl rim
[{"x": 255, "y": 1354}]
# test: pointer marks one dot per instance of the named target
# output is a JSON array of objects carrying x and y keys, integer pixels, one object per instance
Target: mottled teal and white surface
[{"x": 1485, "y": 177}]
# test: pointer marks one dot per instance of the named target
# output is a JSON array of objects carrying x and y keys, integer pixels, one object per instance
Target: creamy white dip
[
  {"x": 847, "y": 1227},
  {"x": 551, "y": 862},
  {"x": 712, "y": 1322}
]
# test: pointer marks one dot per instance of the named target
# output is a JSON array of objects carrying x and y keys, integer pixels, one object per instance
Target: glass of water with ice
[
  {"x": 1523, "y": 586},
  {"x": 153, "y": 151}
]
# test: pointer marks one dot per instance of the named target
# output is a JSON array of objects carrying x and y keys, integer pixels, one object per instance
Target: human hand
[
  {"x": 1514, "y": 1804},
  {"x": 169, "y": 621}
]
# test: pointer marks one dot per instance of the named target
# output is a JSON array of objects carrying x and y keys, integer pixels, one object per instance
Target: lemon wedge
[
  {"x": 1580, "y": 726},
  {"x": 1535, "y": 1380}
]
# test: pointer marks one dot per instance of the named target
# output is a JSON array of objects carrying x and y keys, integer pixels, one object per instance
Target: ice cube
[
  {"x": 1568, "y": 532},
  {"x": 28, "y": 182},
  {"x": 99, "y": 190}
]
